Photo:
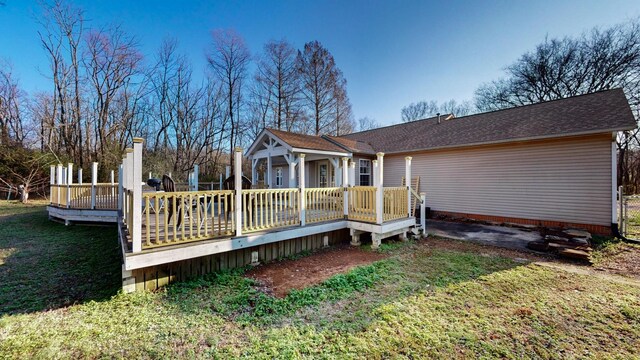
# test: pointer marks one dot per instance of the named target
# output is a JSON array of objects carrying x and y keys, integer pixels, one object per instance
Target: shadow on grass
[
  {"x": 411, "y": 269},
  {"x": 45, "y": 265}
]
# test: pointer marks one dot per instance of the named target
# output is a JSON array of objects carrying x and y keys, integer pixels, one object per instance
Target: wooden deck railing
[
  {"x": 324, "y": 204},
  {"x": 265, "y": 209},
  {"x": 177, "y": 217},
  {"x": 106, "y": 196},
  {"x": 395, "y": 203},
  {"x": 54, "y": 190},
  {"x": 79, "y": 196},
  {"x": 362, "y": 203}
]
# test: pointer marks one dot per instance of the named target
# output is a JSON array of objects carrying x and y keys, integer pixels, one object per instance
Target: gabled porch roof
[{"x": 272, "y": 142}]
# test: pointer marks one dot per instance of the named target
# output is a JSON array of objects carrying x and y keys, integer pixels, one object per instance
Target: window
[
  {"x": 323, "y": 175},
  {"x": 365, "y": 172},
  {"x": 279, "y": 177}
]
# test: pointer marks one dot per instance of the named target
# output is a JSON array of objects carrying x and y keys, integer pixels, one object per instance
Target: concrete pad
[{"x": 507, "y": 237}]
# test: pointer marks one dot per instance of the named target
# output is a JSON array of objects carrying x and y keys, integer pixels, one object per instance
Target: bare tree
[
  {"x": 318, "y": 71},
  {"x": 62, "y": 28},
  {"x": 12, "y": 108},
  {"x": 229, "y": 58},
  {"x": 277, "y": 84},
  {"x": 419, "y": 110},
  {"x": 367, "y": 123},
  {"x": 597, "y": 60},
  {"x": 111, "y": 60},
  {"x": 426, "y": 109},
  {"x": 343, "y": 115},
  {"x": 456, "y": 109}
]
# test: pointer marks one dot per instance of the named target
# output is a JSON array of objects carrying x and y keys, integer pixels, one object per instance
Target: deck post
[
  {"x": 345, "y": 184},
  {"x": 127, "y": 177},
  {"x": 196, "y": 179},
  {"x": 376, "y": 185},
  {"x": 113, "y": 182},
  {"x": 94, "y": 181},
  {"x": 220, "y": 182},
  {"x": 423, "y": 215},
  {"x": 52, "y": 182},
  {"x": 352, "y": 173},
  {"x": 59, "y": 173},
  {"x": 407, "y": 176},
  {"x": 268, "y": 182},
  {"x": 380, "y": 189},
  {"x": 303, "y": 197},
  {"x": 136, "y": 221},
  {"x": 237, "y": 177},
  {"x": 120, "y": 180},
  {"x": 80, "y": 176},
  {"x": 69, "y": 182},
  {"x": 227, "y": 172}
]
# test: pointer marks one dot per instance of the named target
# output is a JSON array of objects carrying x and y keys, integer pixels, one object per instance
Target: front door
[{"x": 323, "y": 174}]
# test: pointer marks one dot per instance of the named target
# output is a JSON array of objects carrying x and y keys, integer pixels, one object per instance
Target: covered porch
[{"x": 275, "y": 159}]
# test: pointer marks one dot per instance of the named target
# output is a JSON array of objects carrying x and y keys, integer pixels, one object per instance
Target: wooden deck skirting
[{"x": 153, "y": 277}]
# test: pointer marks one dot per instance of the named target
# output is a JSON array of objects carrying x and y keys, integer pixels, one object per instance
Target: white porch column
[
  {"x": 380, "y": 189},
  {"x": 227, "y": 171},
  {"x": 80, "y": 176},
  {"x": 303, "y": 198},
  {"x": 64, "y": 175},
  {"x": 237, "y": 177},
  {"x": 59, "y": 181},
  {"x": 120, "y": 180},
  {"x": 52, "y": 181},
  {"x": 269, "y": 179},
  {"x": 407, "y": 176},
  {"x": 59, "y": 173},
  {"x": 196, "y": 177},
  {"x": 352, "y": 173},
  {"x": 69, "y": 182},
  {"x": 70, "y": 174},
  {"x": 94, "y": 181},
  {"x": 220, "y": 182},
  {"x": 376, "y": 178},
  {"x": 112, "y": 177},
  {"x": 136, "y": 222},
  {"x": 614, "y": 181},
  {"x": 345, "y": 184}
]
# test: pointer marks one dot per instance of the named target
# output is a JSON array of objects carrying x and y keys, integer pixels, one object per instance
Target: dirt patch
[{"x": 279, "y": 278}]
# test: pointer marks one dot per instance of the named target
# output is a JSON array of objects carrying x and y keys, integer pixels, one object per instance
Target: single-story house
[{"x": 550, "y": 164}]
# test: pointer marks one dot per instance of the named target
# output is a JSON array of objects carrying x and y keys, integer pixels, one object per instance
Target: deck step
[{"x": 574, "y": 254}]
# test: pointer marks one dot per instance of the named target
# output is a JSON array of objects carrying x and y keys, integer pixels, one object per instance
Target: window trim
[{"x": 360, "y": 173}]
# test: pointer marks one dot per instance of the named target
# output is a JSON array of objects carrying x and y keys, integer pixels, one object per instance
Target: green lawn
[{"x": 425, "y": 300}]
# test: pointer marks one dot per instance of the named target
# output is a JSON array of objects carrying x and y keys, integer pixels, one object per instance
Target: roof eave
[{"x": 531, "y": 138}]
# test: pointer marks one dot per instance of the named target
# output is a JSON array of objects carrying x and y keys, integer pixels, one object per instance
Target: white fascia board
[{"x": 320, "y": 152}]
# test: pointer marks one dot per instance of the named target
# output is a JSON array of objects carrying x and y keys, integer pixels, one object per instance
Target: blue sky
[{"x": 391, "y": 52}]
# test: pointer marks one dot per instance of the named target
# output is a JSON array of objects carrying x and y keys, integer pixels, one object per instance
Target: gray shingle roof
[{"x": 592, "y": 113}]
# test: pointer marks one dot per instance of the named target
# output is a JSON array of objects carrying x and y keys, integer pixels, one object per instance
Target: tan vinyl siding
[{"x": 566, "y": 180}]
